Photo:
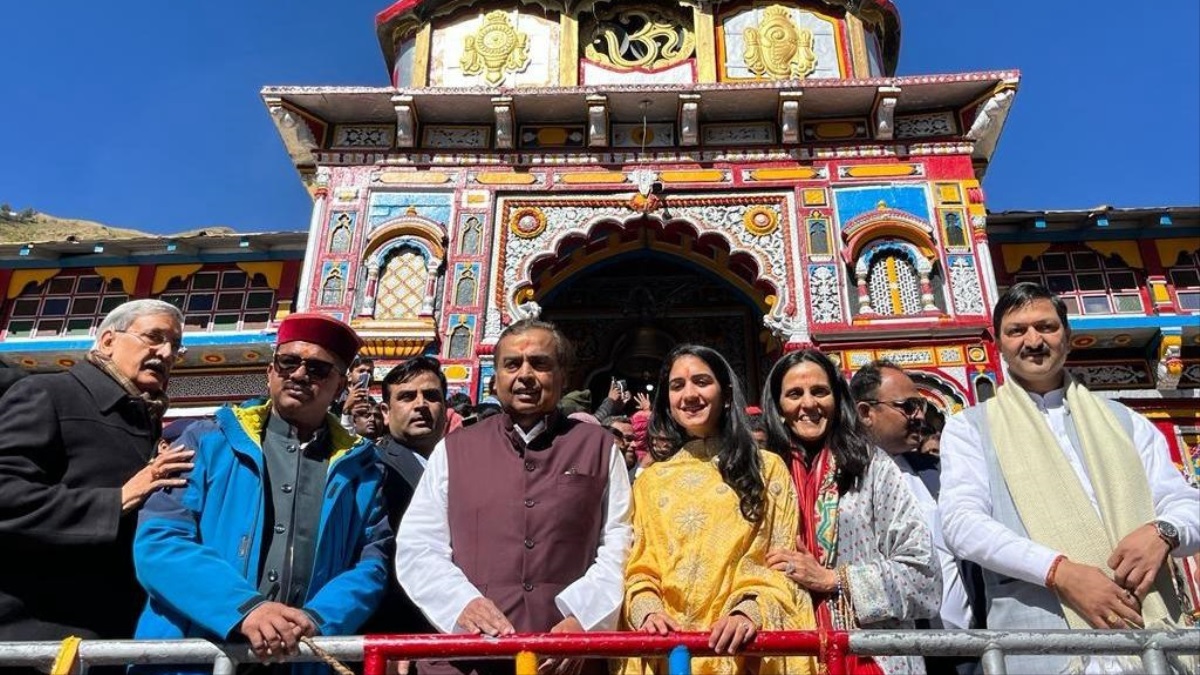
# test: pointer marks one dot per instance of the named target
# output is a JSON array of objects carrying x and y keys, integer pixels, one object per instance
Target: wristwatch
[{"x": 1168, "y": 532}]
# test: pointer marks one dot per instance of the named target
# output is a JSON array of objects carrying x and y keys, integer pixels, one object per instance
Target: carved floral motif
[
  {"x": 826, "y": 297},
  {"x": 527, "y": 223},
  {"x": 923, "y": 126},
  {"x": 769, "y": 250},
  {"x": 964, "y": 284},
  {"x": 760, "y": 221}
]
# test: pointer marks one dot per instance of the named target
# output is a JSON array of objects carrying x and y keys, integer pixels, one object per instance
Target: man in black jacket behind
[
  {"x": 414, "y": 409},
  {"x": 77, "y": 459}
]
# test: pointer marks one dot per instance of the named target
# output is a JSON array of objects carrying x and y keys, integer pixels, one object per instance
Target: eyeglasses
[
  {"x": 316, "y": 369},
  {"x": 156, "y": 339},
  {"x": 908, "y": 406}
]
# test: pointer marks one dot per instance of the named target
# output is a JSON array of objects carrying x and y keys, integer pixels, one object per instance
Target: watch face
[{"x": 1167, "y": 530}]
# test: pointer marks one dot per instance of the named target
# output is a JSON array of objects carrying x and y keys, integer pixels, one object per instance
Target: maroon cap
[{"x": 323, "y": 330}]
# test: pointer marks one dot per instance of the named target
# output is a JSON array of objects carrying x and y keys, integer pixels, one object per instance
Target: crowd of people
[{"x": 317, "y": 510}]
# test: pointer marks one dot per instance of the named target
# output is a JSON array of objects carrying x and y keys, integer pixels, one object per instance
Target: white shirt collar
[
  {"x": 533, "y": 433},
  {"x": 1055, "y": 398}
]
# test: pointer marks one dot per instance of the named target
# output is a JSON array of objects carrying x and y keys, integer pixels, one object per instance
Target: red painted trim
[
  {"x": 396, "y": 10},
  {"x": 378, "y": 649},
  {"x": 1150, "y": 257},
  {"x": 289, "y": 281},
  {"x": 145, "y": 281}
]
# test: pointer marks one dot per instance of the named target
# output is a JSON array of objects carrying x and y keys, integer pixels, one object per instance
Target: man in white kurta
[
  {"x": 521, "y": 522},
  {"x": 1047, "y": 466}
]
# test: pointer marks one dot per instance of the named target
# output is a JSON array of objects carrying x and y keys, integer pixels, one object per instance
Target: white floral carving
[
  {"x": 788, "y": 328},
  {"x": 826, "y": 297},
  {"x": 964, "y": 285},
  {"x": 768, "y": 250}
]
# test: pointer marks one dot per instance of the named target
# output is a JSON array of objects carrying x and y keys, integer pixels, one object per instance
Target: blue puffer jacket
[{"x": 197, "y": 548}]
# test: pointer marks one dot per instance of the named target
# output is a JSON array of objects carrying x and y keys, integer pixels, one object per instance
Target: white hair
[{"x": 123, "y": 316}]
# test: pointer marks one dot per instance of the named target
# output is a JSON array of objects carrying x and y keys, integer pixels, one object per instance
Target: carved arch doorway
[{"x": 624, "y": 313}]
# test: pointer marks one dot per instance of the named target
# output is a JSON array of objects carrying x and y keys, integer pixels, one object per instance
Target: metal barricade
[{"x": 374, "y": 651}]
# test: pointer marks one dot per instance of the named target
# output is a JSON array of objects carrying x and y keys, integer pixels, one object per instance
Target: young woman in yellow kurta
[{"x": 705, "y": 515}]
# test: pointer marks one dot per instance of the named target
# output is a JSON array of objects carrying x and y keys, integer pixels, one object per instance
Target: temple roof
[{"x": 406, "y": 16}]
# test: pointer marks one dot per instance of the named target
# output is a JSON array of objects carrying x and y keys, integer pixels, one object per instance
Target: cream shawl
[{"x": 1053, "y": 506}]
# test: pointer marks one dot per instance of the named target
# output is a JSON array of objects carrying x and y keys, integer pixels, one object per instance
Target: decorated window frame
[
  {"x": 1185, "y": 279},
  {"x": 222, "y": 299},
  {"x": 72, "y": 303},
  {"x": 1087, "y": 282}
]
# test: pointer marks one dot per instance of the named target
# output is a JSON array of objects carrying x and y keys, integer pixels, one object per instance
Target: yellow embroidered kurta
[{"x": 696, "y": 558}]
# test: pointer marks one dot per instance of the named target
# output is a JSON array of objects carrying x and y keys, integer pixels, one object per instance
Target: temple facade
[{"x": 751, "y": 176}]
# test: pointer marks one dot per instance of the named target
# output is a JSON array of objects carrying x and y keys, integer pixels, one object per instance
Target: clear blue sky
[{"x": 146, "y": 114}]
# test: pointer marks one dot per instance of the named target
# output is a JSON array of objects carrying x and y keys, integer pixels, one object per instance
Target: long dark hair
[
  {"x": 740, "y": 465},
  {"x": 844, "y": 436}
]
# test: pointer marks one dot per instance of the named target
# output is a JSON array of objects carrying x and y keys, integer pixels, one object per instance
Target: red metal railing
[{"x": 379, "y": 649}]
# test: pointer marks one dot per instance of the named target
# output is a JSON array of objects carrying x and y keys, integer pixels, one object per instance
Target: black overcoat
[{"x": 68, "y": 442}]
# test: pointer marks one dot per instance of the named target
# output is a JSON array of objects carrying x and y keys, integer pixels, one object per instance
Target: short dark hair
[
  {"x": 624, "y": 419},
  {"x": 461, "y": 402},
  {"x": 409, "y": 369},
  {"x": 484, "y": 411},
  {"x": 563, "y": 351},
  {"x": 1021, "y": 294},
  {"x": 867, "y": 379},
  {"x": 361, "y": 360}
]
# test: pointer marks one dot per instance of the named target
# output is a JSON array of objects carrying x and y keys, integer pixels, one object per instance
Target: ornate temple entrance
[{"x": 624, "y": 314}]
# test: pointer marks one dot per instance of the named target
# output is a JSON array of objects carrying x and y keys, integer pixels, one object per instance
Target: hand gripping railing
[{"x": 376, "y": 650}]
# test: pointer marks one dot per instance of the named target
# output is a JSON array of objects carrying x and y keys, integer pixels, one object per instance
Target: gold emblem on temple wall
[
  {"x": 495, "y": 49},
  {"x": 639, "y": 38},
  {"x": 760, "y": 221},
  {"x": 778, "y": 49}
]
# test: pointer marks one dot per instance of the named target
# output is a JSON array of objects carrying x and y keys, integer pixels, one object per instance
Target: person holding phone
[
  {"x": 616, "y": 402},
  {"x": 357, "y": 392}
]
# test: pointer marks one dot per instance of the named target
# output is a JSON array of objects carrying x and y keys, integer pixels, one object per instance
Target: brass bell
[{"x": 643, "y": 353}]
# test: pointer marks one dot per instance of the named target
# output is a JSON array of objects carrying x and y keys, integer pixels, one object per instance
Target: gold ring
[
  {"x": 1111, "y": 618},
  {"x": 789, "y": 567}
]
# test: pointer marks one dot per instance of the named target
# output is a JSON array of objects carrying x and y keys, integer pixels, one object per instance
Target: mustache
[
  {"x": 157, "y": 365},
  {"x": 1039, "y": 351}
]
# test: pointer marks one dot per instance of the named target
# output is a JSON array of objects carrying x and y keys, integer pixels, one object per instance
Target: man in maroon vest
[{"x": 520, "y": 522}]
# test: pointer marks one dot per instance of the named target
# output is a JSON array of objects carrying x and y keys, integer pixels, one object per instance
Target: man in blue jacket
[{"x": 281, "y": 531}]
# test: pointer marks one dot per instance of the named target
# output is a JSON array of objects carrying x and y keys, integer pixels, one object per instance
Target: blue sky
[{"x": 146, "y": 114}]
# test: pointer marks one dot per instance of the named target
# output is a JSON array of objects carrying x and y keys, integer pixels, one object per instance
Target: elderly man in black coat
[{"x": 77, "y": 459}]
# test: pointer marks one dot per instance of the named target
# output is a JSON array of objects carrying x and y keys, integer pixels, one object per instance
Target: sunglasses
[
  {"x": 316, "y": 369},
  {"x": 908, "y": 406}
]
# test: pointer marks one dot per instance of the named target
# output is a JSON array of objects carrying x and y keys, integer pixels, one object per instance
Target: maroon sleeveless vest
[{"x": 525, "y": 522}]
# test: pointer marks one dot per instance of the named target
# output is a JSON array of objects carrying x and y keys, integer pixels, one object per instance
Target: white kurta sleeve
[
  {"x": 423, "y": 564},
  {"x": 595, "y": 598},
  {"x": 1174, "y": 500},
  {"x": 965, "y": 507}
]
